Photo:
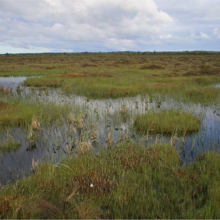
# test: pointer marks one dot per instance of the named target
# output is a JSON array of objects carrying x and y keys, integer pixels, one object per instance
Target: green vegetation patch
[
  {"x": 16, "y": 114},
  {"x": 201, "y": 94},
  {"x": 113, "y": 75},
  {"x": 50, "y": 81},
  {"x": 167, "y": 122},
  {"x": 9, "y": 145},
  {"x": 25, "y": 112},
  {"x": 129, "y": 181}
]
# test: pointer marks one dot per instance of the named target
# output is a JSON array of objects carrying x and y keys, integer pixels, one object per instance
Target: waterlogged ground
[{"x": 99, "y": 123}]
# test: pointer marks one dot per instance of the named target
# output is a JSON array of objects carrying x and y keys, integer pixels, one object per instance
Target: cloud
[
  {"x": 167, "y": 36},
  {"x": 84, "y": 21},
  {"x": 204, "y": 35},
  {"x": 108, "y": 25},
  {"x": 201, "y": 35},
  {"x": 216, "y": 33}
]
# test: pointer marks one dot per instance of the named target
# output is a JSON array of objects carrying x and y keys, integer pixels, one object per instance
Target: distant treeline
[{"x": 122, "y": 52}]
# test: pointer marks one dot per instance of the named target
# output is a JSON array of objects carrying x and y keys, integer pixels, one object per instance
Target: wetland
[{"x": 110, "y": 135}]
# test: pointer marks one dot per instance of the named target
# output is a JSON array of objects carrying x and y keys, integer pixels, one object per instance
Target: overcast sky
[{"x": 30, "y": 26}]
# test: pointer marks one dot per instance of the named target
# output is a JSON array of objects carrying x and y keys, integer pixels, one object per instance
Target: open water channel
[{"x": 100, "y": 117}]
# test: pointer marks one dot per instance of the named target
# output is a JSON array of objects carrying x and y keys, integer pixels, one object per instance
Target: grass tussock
[
  {"x": 129, "y": 181},
  {"x": 167, "y": 122}
]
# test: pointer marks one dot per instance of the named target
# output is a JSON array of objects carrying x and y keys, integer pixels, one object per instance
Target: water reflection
[
  {"x": 101, "y": 118},
  {"x": 11, "y": 81}
]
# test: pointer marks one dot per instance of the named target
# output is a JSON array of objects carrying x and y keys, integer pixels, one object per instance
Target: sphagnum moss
[{"x": 167, "y": 122}]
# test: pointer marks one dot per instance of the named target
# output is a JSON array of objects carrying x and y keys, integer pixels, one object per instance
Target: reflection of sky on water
[
  {"x": 103, "y": 116},
  {"x": 11, "y": 81}
]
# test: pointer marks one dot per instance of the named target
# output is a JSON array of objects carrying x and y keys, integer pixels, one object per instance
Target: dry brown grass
[
  {"x": 35, "y": 124},
  {"x": 109, "y": 140},
  {"x": 123, "y": 109},
  {"x": 84, "y": 147}
]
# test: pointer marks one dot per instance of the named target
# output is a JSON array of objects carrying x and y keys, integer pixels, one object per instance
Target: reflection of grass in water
[
  {"x": 9, "y": 145},
  {"x": 167, "y": 122},
  {"x": 129, "y": 181}
]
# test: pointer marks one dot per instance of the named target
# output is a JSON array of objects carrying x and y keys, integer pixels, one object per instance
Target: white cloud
[
  {"x": 105, "y": 25},
  {"x": 80, "y": 21},
  {"x": 204, "y": 35},
  {"x": 167, "y": 36},
  {"x": 201, "y": 35},
  {"x": 217, "y": 33}
]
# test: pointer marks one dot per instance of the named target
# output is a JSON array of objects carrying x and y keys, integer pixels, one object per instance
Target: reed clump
[{"x": 167, "y": 122}]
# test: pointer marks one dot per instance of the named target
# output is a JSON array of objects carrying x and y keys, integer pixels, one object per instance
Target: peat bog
[{"x": 110, "y": 135}]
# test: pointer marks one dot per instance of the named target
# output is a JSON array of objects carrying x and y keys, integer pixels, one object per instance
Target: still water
[{"x": 102, "y": 117}]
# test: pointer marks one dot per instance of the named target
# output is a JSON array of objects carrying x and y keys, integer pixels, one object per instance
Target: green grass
[
  {"x": 129, "y": 181},
  {"x": 17, "y": 112},
  {"x": 131, "y": 85},
  {"x": 201, "y": 94},
  {"x": 9, "y": 145},
  {"x": 112, "y": 75},
  {"x": 167, "y": 122}
]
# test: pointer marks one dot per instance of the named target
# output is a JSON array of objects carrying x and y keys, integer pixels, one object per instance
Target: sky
[{"x": 36, "y": 26}]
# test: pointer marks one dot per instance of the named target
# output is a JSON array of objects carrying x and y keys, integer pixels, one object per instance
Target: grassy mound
[
  {"x": 167, "y": 122},
  {"x": 129, "y": 181},
  {"x": 16, "y": 114},
  {"x": 23, "y": 112}
]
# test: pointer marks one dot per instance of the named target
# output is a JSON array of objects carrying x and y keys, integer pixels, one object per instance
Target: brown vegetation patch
[
  {"x": 207, "y": 70},
  {"x": 216, "y": 64},
  {"x": 36, "y": 66},
  {"x": 168, "y": 75},
  {"x": 162, "y": 85},
  {"x": 94, "y": 181},
  {"x": 133, "y": 161},
  {"x": 125, "y": 62},
  {"x": 89, "y": 65},
  {"x": 152, "y": 67},
  {"x": 190, "y": 73},
  {"x": 183, "y": 59},
  {"x": 4, "y": 71},
  {"x": 73, "y": 75},
  {"x": 84, "y": 75},
  {"x": 4, "y": 105},
  {"x": 50, "y": 67}
]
